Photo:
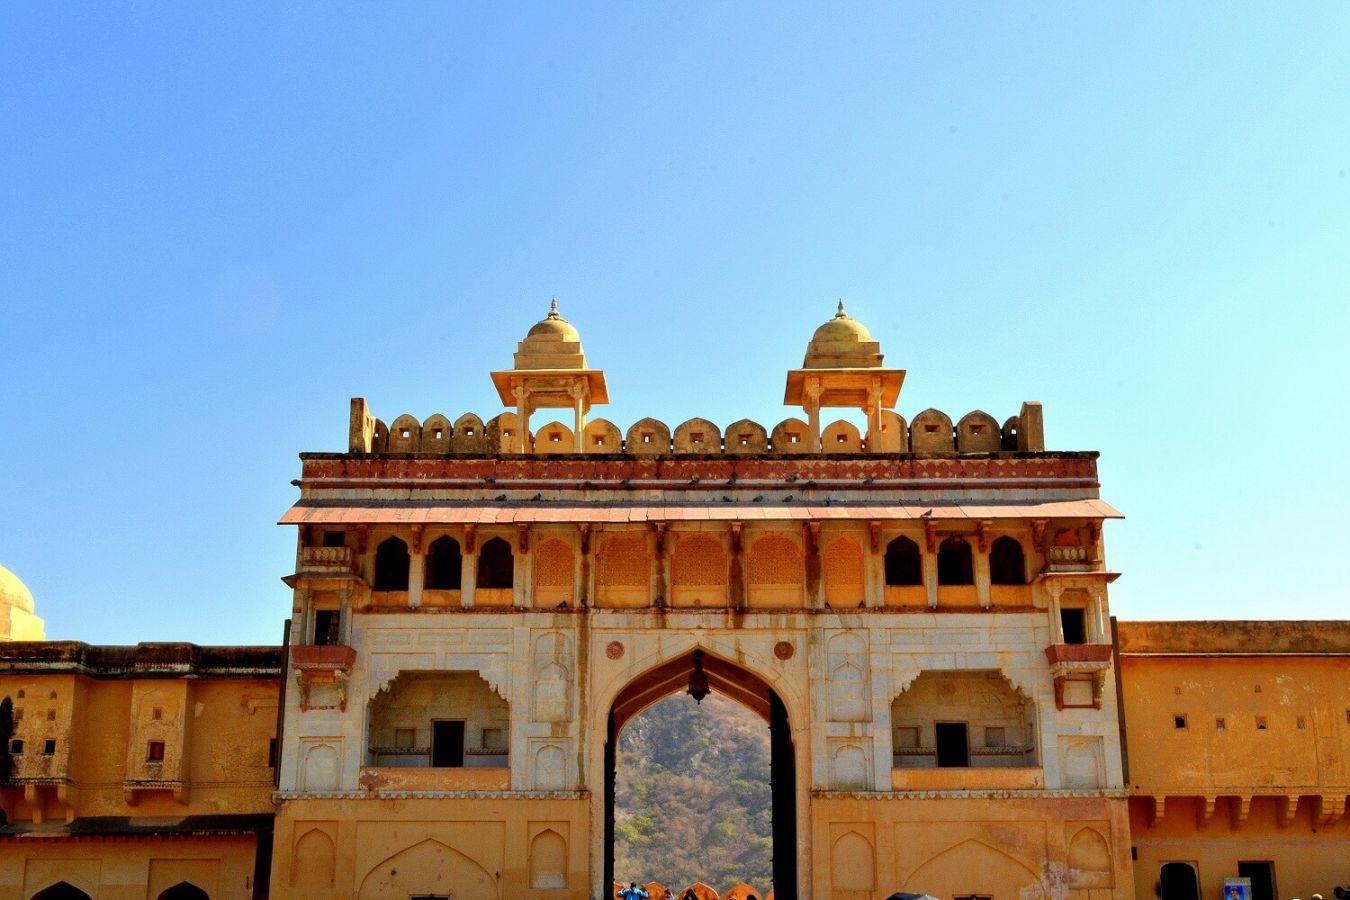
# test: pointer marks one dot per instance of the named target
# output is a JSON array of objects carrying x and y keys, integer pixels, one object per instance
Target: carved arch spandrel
[{"x": 428, "y": 867}]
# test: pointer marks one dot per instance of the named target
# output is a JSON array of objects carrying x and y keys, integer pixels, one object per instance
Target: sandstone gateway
[{"x": 917, "y": 610}]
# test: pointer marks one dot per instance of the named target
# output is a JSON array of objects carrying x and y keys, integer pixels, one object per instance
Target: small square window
[
  {"x": 16, "y": 747},
  {"x": 555, "y": 437},
  {"x": 436, "y": 434},
  {"x": 696, "y": 437},
  {"x": 405, "y": 433},
  {"x": 157, "y": 714},
  {"x": 647, "y": 437},
  {"x": 1260, "y": 723},
  {"x": 154, "y": 752},
  {"x": 795, "y": 438},
  {"x": 1179, "y": 722},
  {"x": 599, "y": 440},
  {"x": 1301, "y": 723},
  {"x": 49, "y": 748},
  {"x": 1220, "y": 724}
]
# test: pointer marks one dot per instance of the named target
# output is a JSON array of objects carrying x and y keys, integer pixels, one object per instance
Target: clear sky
[{"x": 218, "y": 222}]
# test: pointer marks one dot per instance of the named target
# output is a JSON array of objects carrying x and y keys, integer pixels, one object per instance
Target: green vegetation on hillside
[{"x": 692, "y": 796}]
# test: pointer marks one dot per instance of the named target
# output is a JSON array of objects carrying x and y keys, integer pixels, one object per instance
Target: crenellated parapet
[{"x": 931, "y": 433}]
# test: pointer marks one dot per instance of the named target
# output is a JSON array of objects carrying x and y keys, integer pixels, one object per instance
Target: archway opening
[{"x": 708, "y": 791}]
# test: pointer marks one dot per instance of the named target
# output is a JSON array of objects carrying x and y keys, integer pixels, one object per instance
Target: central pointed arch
[{"x": 751, "y": 691}]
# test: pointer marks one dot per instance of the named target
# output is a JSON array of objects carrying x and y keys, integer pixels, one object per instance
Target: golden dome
[
  {"x": 842, "y": 343},
  {"x": 14, "y": 594},
  {"x": 552, "y": 343}
]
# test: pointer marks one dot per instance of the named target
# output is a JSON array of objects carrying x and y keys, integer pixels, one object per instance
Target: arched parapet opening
[
  {"x": 791, "y": 436},
  {"x": 601, "y": 436},
  {"x": 746, "y": 436},
  {"x": 964, "y": 720},
  {"x": 697, "y": 436},
  {"x": 978, "y": 432},
  {"x": 405, "y": 435},
  {"x": 469, "y": 435},
  {"x": 555, "y": 437},
  {"x": 503, "y": 432},
  {"x": 437, "y": 722},
  {"x": 841, "y": 436},
  {"x": 648, "y": 437},
  {"x": 436, "y": 433},
  {"x": 931, "y": 432}
]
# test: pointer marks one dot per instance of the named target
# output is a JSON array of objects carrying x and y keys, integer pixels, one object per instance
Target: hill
[{"x": 692, "y": 796}]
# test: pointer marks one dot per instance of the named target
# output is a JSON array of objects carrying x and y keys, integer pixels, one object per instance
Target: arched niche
[
  {"x": 978, "y": 432},
  {"x": 697, "y": 436},
  {"x": 405, "y": 435},
  {"x": 648, "y": 437},
  {"x": 931, "y": 432},
  {"x": 746, "y": 436},
  {"x": 791, "y": 436}
]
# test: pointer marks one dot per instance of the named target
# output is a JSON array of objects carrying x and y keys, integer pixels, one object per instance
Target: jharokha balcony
[
  {"x": 1079, "y": 670},
  {"x": 323, "y": 670}
]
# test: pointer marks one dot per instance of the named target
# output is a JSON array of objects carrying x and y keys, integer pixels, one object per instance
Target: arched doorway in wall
[
  {"x": 61, "y": 891},
  {"x": 1178, "y": 881},
  {"x": 750, "y": 691}
]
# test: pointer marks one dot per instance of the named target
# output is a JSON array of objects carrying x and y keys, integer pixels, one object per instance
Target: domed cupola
[
  {"x": 842, "y": 343},
  {"x": 843, "y": 369},
  {"x": 17, "y": 619},
  {"x": 550, "y": 372}
]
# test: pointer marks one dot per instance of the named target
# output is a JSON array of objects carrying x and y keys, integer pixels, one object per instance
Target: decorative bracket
[
  {"x": 1329, "y": 809},
  {"x": 1242, "y": 809},
  {"x": 1286, "y": 809},
  {"x": 1157, "y": 811},
  {"x": 1205, "y": 809}
]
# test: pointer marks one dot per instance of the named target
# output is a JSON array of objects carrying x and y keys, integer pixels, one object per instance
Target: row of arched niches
[{"x": 931, "y": 431}]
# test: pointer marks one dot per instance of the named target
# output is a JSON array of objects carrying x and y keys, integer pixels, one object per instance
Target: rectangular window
[
  {"x": 907, "y": 738},
  {"x": 953, "y": 745},
  {"x": 1179, "y": 723},
  {"x": 1262, "y": 875},
  {"x": 327, "y": 627},
  {"x": 1073, "y": 623},
  {"x": 1260, "y": 723},
  {"x": 335, "y": 538},
  {"x": 16, "y": 747},
  {"x": 49, "y": 748},
  {"x": 447, "y": 744},
  {"x": 271, "y": 753},
  {"x": 154, "y": 751}
]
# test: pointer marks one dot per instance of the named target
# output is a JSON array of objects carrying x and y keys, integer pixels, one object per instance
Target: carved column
[
  {"x": 1056, "y": 622},
  {"x": 468, "y": 569},
  {"x": 522, "y": 395},
  {"x": 736, "y": 580},
  {"x": 873, "y": 411},
  {"x": 417, "y": 566},
  {"x": 929, "y": 561},
  {"x": 812, "y": 404},
  {"x": 982, "y": 566},
  {"x": 579, "y": 392},
  {"x": 522, "y": 580}
]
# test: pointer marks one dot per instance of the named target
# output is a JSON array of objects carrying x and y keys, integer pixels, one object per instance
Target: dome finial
[
  {"x": 553, "y": 309},
  {"x": 841, "y": 314}
]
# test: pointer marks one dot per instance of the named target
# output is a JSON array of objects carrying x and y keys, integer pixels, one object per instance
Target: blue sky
[{"x": 219, "y": 222}]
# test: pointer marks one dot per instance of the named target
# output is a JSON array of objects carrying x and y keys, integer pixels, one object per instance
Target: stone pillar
[
  {"x": 417, "y": 565},
  {"x": 344, "y": 615},
  {"x": 815, "y": 587},
  {"x": 522, "y": 418},
  {"x": 584, "y": 582},
  {"x": 522, "y": 579},
  {"x": 812, "y": 406},
  {"x": 468, "y": 569},
  {"x": 981, "y": 561},
  {"x": 873, "y": 410},
  {"x": 1056, "y": 623},
  {"x": 1101, "y": 633},
  {"x": 660, "y": 565},
  {"x": 930, "y": 578},
  {"x": 736, "y": 595},
  {"x": 579, "y": 415}
]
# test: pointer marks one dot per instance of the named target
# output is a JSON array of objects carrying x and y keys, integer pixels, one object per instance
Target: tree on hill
[{"x": 692, "y": 798}]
